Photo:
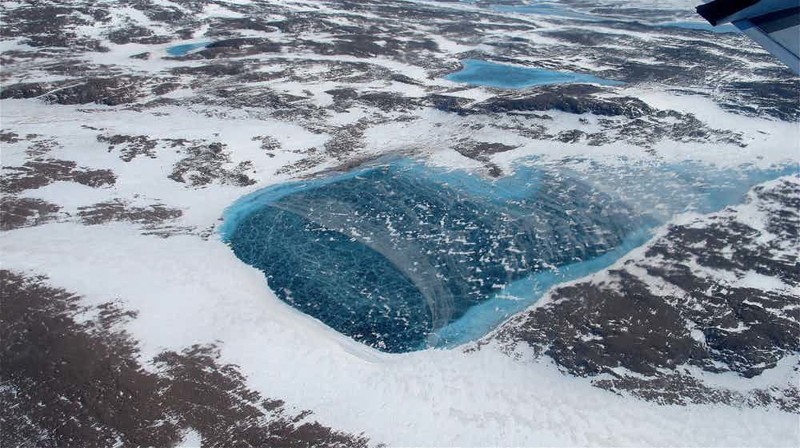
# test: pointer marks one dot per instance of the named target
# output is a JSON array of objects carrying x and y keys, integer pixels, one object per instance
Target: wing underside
[{"x": 774, "y": 24}]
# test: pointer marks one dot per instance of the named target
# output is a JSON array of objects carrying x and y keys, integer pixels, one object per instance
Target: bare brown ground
[{"x": 68, "y": 382}]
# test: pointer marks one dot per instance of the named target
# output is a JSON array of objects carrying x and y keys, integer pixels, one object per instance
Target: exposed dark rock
[
  {"x": 24, "y": 90},
  {"x": 46, "y": 25},
  {"x": 448, "y": 103},
  {"x": 117, "y": 210},
  {"x": 301, "y": 165},
  {"x": 246, "y": 23},
  {"x": 405, "y": 79},
  {"x": 268, "y": 144},
  {"x": 482, "y": 151},
  {"x": 684, "y": 389},
  {"x": 144, "y": 56},
  {"x": 165, "y": 88},
  {"x": 576, "y": 99},
  {"x": 205, "y": 163},
  {"x": 571, "y": 136},
  {"x": 386, "y": 101},
  {"x": 96, "y": 393},
  {"x": 281, "y": 105},
  {"x": 213, "y": 70},
  {"x": 129, "y": 34},
  {"x": 590, "y": 329},
  {"x": 778, "y": 98},
  {"x": 108, "y": 91},
  {"x": 9, "y": 137},
  {"x": 161, "y": 13},
  {"x": 77, "y": 382},
  {"x": 77, "y": 68},
  {"x": 346, "y": 140},
  {"x": 343, "y": 99},
  {"x": 676, "y": 305},
  {"x": 130, "y": 146},
  {"x": 479, "y": 150},
  {"x": 304, "y": 23},
  {"x": 40, "y": 147},
  {"x": 237, "y": 47},
  {"x": 38, "y": 173},
  {"x": 24, "y": 212},
  {"x": 621, "y": 118}
]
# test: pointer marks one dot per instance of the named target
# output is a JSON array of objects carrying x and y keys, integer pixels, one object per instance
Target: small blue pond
[
  {"x": 493, "y": 74},
  {"x": 402, "y": 256},
  {"x": 184, "y": 49}
]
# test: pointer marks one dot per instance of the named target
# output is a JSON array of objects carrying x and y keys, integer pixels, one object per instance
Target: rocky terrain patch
[
  {"x": 71, "y": 376},
  {"x": 206, "y": 162},
  {"x": 118, "y": 210},
  {"x": 38, "y": 173},
  {"x": 25, "y": 212},
  {"x": 716, "y": 294},
  {"x": 230, "y": 69}
]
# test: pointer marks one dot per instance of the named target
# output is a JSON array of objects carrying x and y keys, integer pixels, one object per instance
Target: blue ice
[
  {"x": 493, "y": 74},
  {"x": 402, "y": 256}
]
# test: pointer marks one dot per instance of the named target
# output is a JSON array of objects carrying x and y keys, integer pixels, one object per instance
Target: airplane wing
[{"x": 774, "y": 24}]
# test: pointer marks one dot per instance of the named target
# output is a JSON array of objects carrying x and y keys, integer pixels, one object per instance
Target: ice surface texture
[
  {"x": 395, "y": 252},
  {"x": 404, "y": 256}
]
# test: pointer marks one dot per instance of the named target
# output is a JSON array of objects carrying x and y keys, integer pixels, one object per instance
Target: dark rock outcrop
[
  {"x": 718, "y": 294},
  {"x": 77, "y": 382},
  {"x": 38, "y": 173}
]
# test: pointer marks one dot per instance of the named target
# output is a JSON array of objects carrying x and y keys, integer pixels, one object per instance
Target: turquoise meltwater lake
[
  {"x": 403, "y": 256},
  {"x": 506, "y": 76}
]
